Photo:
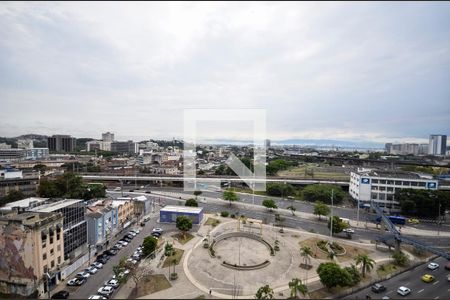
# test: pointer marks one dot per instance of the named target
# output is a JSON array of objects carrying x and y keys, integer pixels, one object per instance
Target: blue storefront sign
[{"x": 431, "y": 185}]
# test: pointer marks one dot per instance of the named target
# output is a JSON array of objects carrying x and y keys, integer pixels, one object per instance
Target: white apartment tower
[
  {"x": 108, "y": 137},
  {"x": 437, "y": 145}
]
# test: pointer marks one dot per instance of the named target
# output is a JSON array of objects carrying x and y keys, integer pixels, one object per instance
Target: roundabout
[{"x": 242, "y": 261}]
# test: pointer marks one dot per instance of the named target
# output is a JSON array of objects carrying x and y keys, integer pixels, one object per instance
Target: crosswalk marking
[
  {"x": 436, "y": 282},
  {"x": 420, "y": 291}
]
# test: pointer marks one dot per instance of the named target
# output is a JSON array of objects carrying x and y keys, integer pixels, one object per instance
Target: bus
[{"x": 399, "y": 220}]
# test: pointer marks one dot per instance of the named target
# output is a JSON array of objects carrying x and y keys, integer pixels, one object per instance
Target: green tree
[
  {"x": 322, "y": 192},
  {"x": 149, "y": 245},
  {"x": 332, "y": 275},
  {"x": 354, "y": 275},
  {"x": 321, "y": 209},
  {"x": 119, "y": 268},
  {"x": 276, "y": 165},
  {"x": 197, "y": 193},
  {"x": 184, "y": 224},
  {"x": 12, "y": 196},
  {"x": 306, "y": 253},
  {"x": 280, "y": 189},
  {"x": 40, "y": 167},
  {"x": 338, "y": 224},
  {"x": 191, "y": 202},
  {"x": 297, "y": 286},
  {"x": 270, "y": 204},
  {"x": 230, "y": 196},
  {"x": 264, "y": 292},
  {"x": 400, "y": 259},
  {"x": 48, "y": 189},
  {"x": 366, "y": 263}
]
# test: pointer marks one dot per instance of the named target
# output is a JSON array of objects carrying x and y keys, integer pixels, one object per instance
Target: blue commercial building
[
  {"x": 170, "y": 213},
  {"x": 102, "y": 224}
]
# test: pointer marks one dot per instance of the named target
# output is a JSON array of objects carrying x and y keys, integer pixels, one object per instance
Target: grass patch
[
  {"x": 176, "y": 257},
  {"x": 183, "y": 238},
  {"x": 213, "y": 222},
  {"x": 312, "y": 243},
  {"x": 352, "y": 252},
  {"x": 384, "y": 270},
  {"x": 150, "y": 284}
]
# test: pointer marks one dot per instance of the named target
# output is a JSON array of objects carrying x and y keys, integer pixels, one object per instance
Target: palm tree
[
  {"x": 296, "y": 285},
  {"x": 306, "y": 253},
  {"x": 366, "y": 263},
  {"x": 264, "y": 292}
]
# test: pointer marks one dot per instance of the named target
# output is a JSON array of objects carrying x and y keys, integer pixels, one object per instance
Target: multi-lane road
[{"x": 438, "y": 289}]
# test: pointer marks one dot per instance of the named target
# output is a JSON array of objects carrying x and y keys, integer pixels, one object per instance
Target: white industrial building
[{"x": 380, "y": 186}]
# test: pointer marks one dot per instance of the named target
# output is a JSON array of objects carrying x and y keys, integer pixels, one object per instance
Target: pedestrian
[{"x": 210, "y": 291}]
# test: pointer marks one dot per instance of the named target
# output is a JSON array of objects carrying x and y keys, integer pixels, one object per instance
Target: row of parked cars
[
  {"x": 108, "y": 288},
  {"x": 81, "y": 277}
]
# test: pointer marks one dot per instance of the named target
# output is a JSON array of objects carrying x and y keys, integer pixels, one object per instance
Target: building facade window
[{"x": 44, "y": 256}]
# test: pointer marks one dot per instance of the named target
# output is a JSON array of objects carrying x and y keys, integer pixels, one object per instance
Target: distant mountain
[
  {"x": 329, "y": 143},
  {"x": 32, "y": 136},
  {"x": 305, "y": 142}
]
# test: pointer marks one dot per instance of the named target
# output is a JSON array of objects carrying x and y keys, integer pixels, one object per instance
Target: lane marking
[
  {"x": 389, "y": 292},
  {"x": 436, "y": 282},
  {"x": 436, "y": 297},
  {"x": 420, "y": 291}
]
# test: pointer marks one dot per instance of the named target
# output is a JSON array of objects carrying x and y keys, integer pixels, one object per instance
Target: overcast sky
[{"x": 354, "y": 71}]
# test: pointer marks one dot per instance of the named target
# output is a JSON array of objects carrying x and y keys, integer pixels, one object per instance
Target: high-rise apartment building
[
  {"x": 61, "y": 143},
  {"x": 437, "y": 144},
  {"x": 108, "y": 137}
]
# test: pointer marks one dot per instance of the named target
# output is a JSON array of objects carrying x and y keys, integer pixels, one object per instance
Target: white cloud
[{"x": 371, "y": 71}]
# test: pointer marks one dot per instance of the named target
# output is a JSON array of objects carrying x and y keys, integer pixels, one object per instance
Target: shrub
[
  {"x": 224, "y": 214},
  {"x": 232, "y": 216}
]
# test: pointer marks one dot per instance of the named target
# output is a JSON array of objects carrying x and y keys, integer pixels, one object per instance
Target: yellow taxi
[
  {"x": 413, "y": 221},
  {"x": 427, "y": 278}
]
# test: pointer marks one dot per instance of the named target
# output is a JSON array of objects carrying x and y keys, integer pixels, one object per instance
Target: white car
[
  {"x": 91, "y": 270},
  {"x": 118, "y": 245},
  {"x": 97, "y": 297},
  {"x": 83, "y": 274},
  {"x": 433, "y": 266},
  {"x": 132, "y": 233},
  {"x": 159, "y": 230},
  {"x": 403, "y": 290},
  {"x": 97, "y": 265},
  {"x": 133, "y": 261},
  {"x": 113, "y": 282},
  {"x": 123, "y": 243},
  {"x": 106, "y": 290},
  {"x": 348, "y": 230},
  {"x": 137, "y": 231}
]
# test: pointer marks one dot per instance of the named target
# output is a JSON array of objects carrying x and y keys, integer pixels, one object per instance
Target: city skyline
[{"x": 380, "y": 76}]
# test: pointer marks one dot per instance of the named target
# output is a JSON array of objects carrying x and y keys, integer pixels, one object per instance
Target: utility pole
[{"x": 357, "y": 213}]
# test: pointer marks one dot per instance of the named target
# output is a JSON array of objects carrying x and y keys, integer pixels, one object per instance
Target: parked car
[
  {"x": 124, "y": 243},
  {"x": 433, "y": 266},
  {"x": 91, "y": 270},
  {"x": 117, "y": 246},
  {"x": 76, "y": 281},
  {"x": 61, "y": 295},
  {"x": 113, "y": 283},
  {"x": 448, "y": 277},
  {"x": 132, "y": 261},
  {"x": 111, "y": 252},
  {"x": 83, "y": 274},
  {"x": 106, "y": 291},
  {"x": 136, "y": 230},
  {"x": 127, "y": 239},
  {"x": 132, "y": 233},
  {"x": 146, "y": 219},
  {"x": 378, "y": 288},
  {"x": 96, "y": 297},
  {"x": 101, "y": 260},
  {"x": 403, "y": 290},
  {"x": 447, "y": 266},
  {"x": 97, "y": 265}
]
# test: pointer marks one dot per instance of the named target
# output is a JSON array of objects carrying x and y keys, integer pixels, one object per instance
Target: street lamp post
[{"x": 331, "y": 219}]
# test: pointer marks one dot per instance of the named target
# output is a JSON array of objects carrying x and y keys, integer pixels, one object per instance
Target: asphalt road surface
[
  {"x": 97, "y": 280},
  {"x": 438, "y": 289}
]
